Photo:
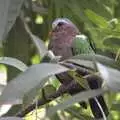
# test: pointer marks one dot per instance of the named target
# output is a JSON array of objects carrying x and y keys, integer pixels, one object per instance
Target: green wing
[{"x": 81, "y": 45}]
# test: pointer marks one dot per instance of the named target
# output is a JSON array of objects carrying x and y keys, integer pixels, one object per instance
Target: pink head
[
  {"x": 62, "y": 36},
  {"x": 64, "y": 24}
]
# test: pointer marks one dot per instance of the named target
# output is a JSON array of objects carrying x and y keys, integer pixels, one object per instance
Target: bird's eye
[{"x": 60, "y": 23}]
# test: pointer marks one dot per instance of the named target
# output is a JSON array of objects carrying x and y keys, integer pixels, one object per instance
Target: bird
[{"x": 67, "y": 41}]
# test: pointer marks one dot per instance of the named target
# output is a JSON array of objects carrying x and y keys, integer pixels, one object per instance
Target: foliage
[{"x": 27, "y": 24}]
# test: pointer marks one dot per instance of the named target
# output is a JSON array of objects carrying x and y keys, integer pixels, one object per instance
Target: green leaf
[
  {"x": 110, "y": 76},
  {"x": 78, "y": 114},
  {"x": 9, "y": 10},
  {"x": 32, "y": 77},
  {"x": 48, "y": 90},
  {"x": 112, "y": 42},
  {"x": 115, "y": 107},
  {"x": 82, "y": 81},
  {"x": 76, "y": 98},
  {"x": 13, "y": 62},
  {"x": 98, "y": 20}
]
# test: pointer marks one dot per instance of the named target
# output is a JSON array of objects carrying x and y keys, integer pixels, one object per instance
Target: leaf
[
  {"x": 40, "y": 45},
  {"x": 13, "y": 110},
  {"x": 112, "y": 42},
  {"x": 85, "y": 63},
  {"x": 115, "y": 107},
  {"x": 82, "y": 81},
  {"x": 41, "y": 94},
  {"x": 110, "y": 76},
  {"x": 78, "y": 114},
  {"x": 96, "y": 19},
  {"x": 48, "y": 90},
  {"x": 82, "y": 96},
  {"x": 4, "y": 109},
  {"x": 42, "y": 49},
  {"x": 99, "y": 58},
  {"x": 32, "y": 77},
  {"x": 13, "y": 62},
  {"x": 1, "y": 88},
  {"x": 30, "y": 96},
  {"x": 9, "y": 10},
  {"x": 10, "y": 118}
]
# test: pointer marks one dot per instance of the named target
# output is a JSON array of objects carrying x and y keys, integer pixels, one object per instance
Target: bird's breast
[
  {"x": 60, "y": 44},
  {"x": 65, "y": 53},
  {"x": 62, "y": 50}
]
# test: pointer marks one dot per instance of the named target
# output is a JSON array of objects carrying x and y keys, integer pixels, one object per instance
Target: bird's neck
[{"x": 64, "y": 38}]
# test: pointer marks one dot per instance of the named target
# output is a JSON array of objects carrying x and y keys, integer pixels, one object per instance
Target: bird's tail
[{"x": 96, "y": 110}]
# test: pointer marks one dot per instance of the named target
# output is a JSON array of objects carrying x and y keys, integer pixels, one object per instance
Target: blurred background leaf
[{"x": 9, "y": 11}]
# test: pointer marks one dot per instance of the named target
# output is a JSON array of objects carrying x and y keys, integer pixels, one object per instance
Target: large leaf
[
  {"x": 43, "y": 93},
  {"x": 87, "y": 60},
  {"x": 82, "y": 62},
  {"x": 110, "y": 76},
  {"x": 40, "y": 45},
  {"x": 1, "y": 88},
  {"x": 10, "y": 118},
  {"x": 32, "y": 77},
  {"x": 9, "y": 10},
  {"x": 12, "y": 110},
  {"x": 4, "y": 109},
  {"x": 76, "y": 98},
  {"x": 42, "y": 49},
  {"x": 13, "y": 62}
]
